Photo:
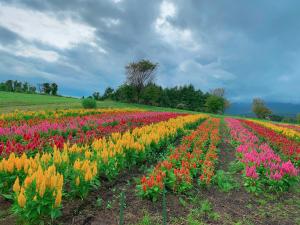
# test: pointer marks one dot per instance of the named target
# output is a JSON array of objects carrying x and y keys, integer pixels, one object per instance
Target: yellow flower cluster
[
  {"x": 87, "y": 168},
  {"x": 283, "y": 130},
  {"x": 60, "y": 113},
  {"x": 28, "y": 165},
  {"x": 141, "y": 137},
  {"x": 48, "y": 180}
]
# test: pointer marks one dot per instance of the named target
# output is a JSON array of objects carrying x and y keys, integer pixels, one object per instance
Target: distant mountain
[{"x": 282, "y": 109}]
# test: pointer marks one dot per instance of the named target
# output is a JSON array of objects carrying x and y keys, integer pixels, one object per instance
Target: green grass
[
  {"x": 12, "y": 101},
  {"x": 29, "y": 102}
]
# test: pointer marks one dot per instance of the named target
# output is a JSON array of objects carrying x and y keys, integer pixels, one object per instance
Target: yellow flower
[
  {"x": 27, "y": 181},
  {"x": 60, "y": 181},
  {"x": 16, "y": 186},
  {"x": 53, "y": 181},
  {"x": 88, "y": 176},
  {"x": 42, "y": 188},
  {"x": 21, "y": 199},
  {"x": 56, "y": 155},
  {"x": 76, "y": 165},
  {"x": 58, "y": 198}
]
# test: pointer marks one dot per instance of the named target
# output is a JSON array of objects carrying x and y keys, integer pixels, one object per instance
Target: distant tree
[
  {"x": 9, "y": 85},
  {"x": 108, "y": 93},
  {"x": 215, "y": 104},
  {"x": 32, "y": 89},
  {"x": 220, "y": 92},
  {"x": 126, "y": 93},
  {"x": 46, "y": 88},
  {"x": 151, "y": 94},
  {"x": 298, "y": 118},
  {"x": 17, "y": 86},
  {"x": 96, "y": 96},
  {"x": 54, "y": 88},
  {"x": 25, "y": 87},
  {"x": 3, "y": 87},
  {"x": 140, "y": 73},
  {"x": 287, "y": 119},
  {"x": 276, "y": 118},
  {"x": 260, "y": 109}
]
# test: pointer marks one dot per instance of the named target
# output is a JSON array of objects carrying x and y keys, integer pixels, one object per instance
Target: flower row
[
  {"x": 263, "y": 167},
  {"x": 290, "y": 148},
  {"x": 74, "y": 130},
  {"x": 40, "y": 181},
  {"x": 20, "y": 117},
  {"x": 290, "y": 126},
  {"x": 195, "y": 156},
  {"x": 286, "y": 131}
]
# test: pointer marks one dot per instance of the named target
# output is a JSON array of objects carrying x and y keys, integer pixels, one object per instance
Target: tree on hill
[
  {"x": 54, "y": 88},
  {"x": 298, "y": 118},
  {"x": 46, "y": 88},
  {"x": 108, "y": 93},
  {"x": 151, "y": 94},
  {"x": 139, "y": 74},
  {"x": 96, "y": 96},
  {"x": 216, "y": 102},
  {"x": 260, "y": 109},
  {"x": 9, "y": 85},
  {"x": 17, "y": 86}
]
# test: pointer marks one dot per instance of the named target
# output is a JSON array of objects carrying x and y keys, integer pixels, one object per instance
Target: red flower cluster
[{"x": 196, "y": 155}]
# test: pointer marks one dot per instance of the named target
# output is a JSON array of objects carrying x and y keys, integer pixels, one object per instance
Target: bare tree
[
  {"x": 141, "y": 73},
  {"x": 220, "y": 92}
]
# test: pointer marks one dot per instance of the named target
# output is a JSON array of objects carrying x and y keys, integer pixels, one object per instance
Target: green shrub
[{"x": 89, "y": 103}]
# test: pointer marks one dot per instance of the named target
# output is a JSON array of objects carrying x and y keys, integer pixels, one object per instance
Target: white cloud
[
  {"x": 117, "y": 1},
  {"x": 29, "y": 51},
  {"x": 46, "y": 28},
  {"x": 110, "y": 22},
  {"x": 171, "y": 34}
]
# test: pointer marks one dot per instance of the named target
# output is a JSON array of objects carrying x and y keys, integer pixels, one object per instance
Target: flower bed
[
  {"x": 262, "y": 166},
  {"x": 288, "y": 147},
  {"x": 73, "y": 129},
  {"x": 195, "y": 156},
  {"x": 37, "y": 183}
]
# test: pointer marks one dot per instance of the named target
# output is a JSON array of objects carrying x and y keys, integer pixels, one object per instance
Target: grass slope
[{"x": 10, "y": 101}]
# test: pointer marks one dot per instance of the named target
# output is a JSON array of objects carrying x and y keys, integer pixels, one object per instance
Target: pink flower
[
  {"x": 251, "y": 172},
  {"x": 288, "y": 167},
  {"x": 276, "y": 176}
]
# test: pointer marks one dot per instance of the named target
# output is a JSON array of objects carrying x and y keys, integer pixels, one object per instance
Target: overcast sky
[{"x": 251, "y": 48}]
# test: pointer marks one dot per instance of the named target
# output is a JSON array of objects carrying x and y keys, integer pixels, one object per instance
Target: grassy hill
[{"x": 10, "y": 101}]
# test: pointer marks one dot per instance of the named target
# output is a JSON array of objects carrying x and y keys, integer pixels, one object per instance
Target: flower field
[{"x": 49, "y": 159}]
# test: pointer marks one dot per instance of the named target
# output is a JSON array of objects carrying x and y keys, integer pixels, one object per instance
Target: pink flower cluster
[{"x": 256, "y": 155}]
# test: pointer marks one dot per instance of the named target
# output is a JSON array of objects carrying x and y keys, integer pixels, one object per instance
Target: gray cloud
[{"x": 251, "y": 48}]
